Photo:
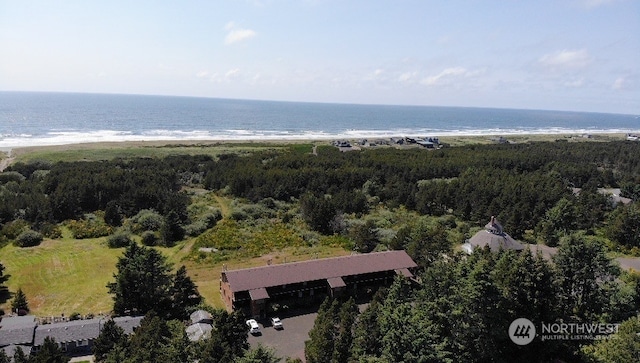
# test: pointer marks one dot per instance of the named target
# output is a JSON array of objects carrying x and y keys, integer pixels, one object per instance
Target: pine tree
[
  {"x": 142, "y": 283},
  {"x": 184, "y": 294},
  {"x": 50, "y": 352},
  {"x": 20, "y": 303},
  {"x": 110, "y": 336},
  {"x": 4, "y": 358},
  {"x": 19, "y": 356}
]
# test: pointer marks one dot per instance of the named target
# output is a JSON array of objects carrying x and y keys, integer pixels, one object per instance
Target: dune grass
[{"x": 139, "y": 149}]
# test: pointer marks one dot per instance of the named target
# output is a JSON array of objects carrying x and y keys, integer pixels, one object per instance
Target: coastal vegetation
[{"x": 69, "y": 229}]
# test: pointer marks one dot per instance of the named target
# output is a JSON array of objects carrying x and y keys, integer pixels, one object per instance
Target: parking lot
[{"x": 287, "y": 342}]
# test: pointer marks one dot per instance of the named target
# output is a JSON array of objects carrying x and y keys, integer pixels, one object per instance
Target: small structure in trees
[{"x": 494, "y": 237}]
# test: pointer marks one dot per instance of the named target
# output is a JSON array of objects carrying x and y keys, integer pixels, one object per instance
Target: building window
[{"x": 82, "y": 343}]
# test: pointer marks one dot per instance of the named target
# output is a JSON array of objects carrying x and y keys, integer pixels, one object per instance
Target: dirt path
[
  {"x": 4, "y": 163},
  {"x": 224, "y": 205}
]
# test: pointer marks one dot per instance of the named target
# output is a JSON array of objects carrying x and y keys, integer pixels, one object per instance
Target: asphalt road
[{"x": 287, "y": 342}]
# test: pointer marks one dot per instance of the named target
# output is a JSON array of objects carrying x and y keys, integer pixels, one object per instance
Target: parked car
[
  {"x": 254, "y": 328},
  {"x": 277, "y": 323}
]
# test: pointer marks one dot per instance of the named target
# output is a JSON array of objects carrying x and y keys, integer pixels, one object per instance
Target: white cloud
[
  {"x": 407, "y": 76},
  {"x": 619, "y": 84},
  {"x": 232, "y": 73},
  {"x": 448, "y": 74},
  {"x": 202, "y": 74},
  {"x": 235, "y": 34},
  {"x": 566, "y": 59}
]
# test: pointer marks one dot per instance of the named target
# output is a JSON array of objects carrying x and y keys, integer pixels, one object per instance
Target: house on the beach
[
  {"x": 494, "y": 237},
  {"x": 252, "y": 290}
]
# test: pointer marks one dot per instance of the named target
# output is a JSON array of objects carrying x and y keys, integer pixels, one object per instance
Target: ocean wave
[{"x": 8, "y": 141}]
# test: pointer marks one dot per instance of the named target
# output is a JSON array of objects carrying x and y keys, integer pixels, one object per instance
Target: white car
[
  {"x": 254, "y": 328},
  {"x": 277, "y": 323}
]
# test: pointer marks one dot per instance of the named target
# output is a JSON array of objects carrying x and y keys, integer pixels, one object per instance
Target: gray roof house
[
  {"x": 494, "y": 237},
  {"x": 201, "y": 325},
  {"x": 17, "y": 331},
  {"x": 77, "y": 336}
]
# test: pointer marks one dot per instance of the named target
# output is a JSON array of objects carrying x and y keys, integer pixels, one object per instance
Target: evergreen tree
[
  {"x": 112, "y": 214},
  {"x": 367, "y": 339},
  {"x": 50, "y": 352},
  {"x": 624, "y": 346},
  {"x": 171, "y": 230},
  {"x": 110, "y": 336},
  {"x": 19, "y": 356},
  {"x": 585, "y": 277},
  {"x": 319, "y": 347},
  {"x": 343, "y": 342},
  {"x": 20, "y": 303},
  {"x": 4, "y": 358},
  {"x": 261, "y": 354},
  {"x": 228, "y": 340},
  {"x": 184, "y": 294},
  {"x": 142, "y": 282}
]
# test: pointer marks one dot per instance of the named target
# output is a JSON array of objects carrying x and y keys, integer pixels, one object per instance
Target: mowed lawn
[{"x": 70, "y": 276}]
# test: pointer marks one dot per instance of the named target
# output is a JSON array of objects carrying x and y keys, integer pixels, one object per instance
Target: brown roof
[{"x": 327, "y": 268}]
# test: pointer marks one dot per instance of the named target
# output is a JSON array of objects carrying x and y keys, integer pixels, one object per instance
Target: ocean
[{"x": 30, "y": 118}]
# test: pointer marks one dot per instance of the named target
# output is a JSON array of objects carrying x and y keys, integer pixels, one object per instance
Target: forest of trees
[
  {"x": 522, "y": 184},
  {"x": 462, "y": 309},
  {"x": 541, "y": 192}
]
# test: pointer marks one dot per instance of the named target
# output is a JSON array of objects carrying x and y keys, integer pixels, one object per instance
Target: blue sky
[{"x": 579, "y": 55}]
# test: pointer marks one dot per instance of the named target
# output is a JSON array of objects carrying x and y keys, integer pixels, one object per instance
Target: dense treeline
[
  {"x": 521, "y": 184},
  {"x": 42, "y": 194},
  {"x": 517, "y": 183},
  {"x": 463, "y": 308}
]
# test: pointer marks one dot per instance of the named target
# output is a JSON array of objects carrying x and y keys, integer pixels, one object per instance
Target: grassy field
[
  {"x": 66, "y": 276},
  {"x": 139, "y": 149}
]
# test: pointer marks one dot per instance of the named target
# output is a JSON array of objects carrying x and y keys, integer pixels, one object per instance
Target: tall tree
[
  {"x": 184, "y": 294},
  {"x": 142, "y": 282},
  {"x": 19, "y": 356},
  {"x": 110, "y": 336},
  {"x": 585, "y": 276},
  {"x": 319, "y": 347},
  {"x": 227, "y": 342},
  {"x": 624, "y": 346},
  {"x": 261, "y": 354},
  {"x": 20, "y": 303},
  {"x": 50, "y": 352}
]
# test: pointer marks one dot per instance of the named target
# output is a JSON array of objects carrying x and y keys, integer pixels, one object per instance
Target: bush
[
  {"x": 50, "y": 230},
  {"x": 13, "y": 229},
  {"x": 88, "y": 228},
  {"x": 29, "y": 238},
  {"x": 149, "y": 238},
  {"x": 147, "y": 220},
  {"x": 120, "y": 239}
]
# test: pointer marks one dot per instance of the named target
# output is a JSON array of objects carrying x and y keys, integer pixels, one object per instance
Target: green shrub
[
  {"x": 88, "y": 228},
  {"x": 28, "y": 238},
  {"x": 13, "y": 229},
  {"x": 119, "y": 239},
  {"x": 149, "y": 238},
  {"x": 50, "y": 230},
  {"x": 147, "y": 220}
]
